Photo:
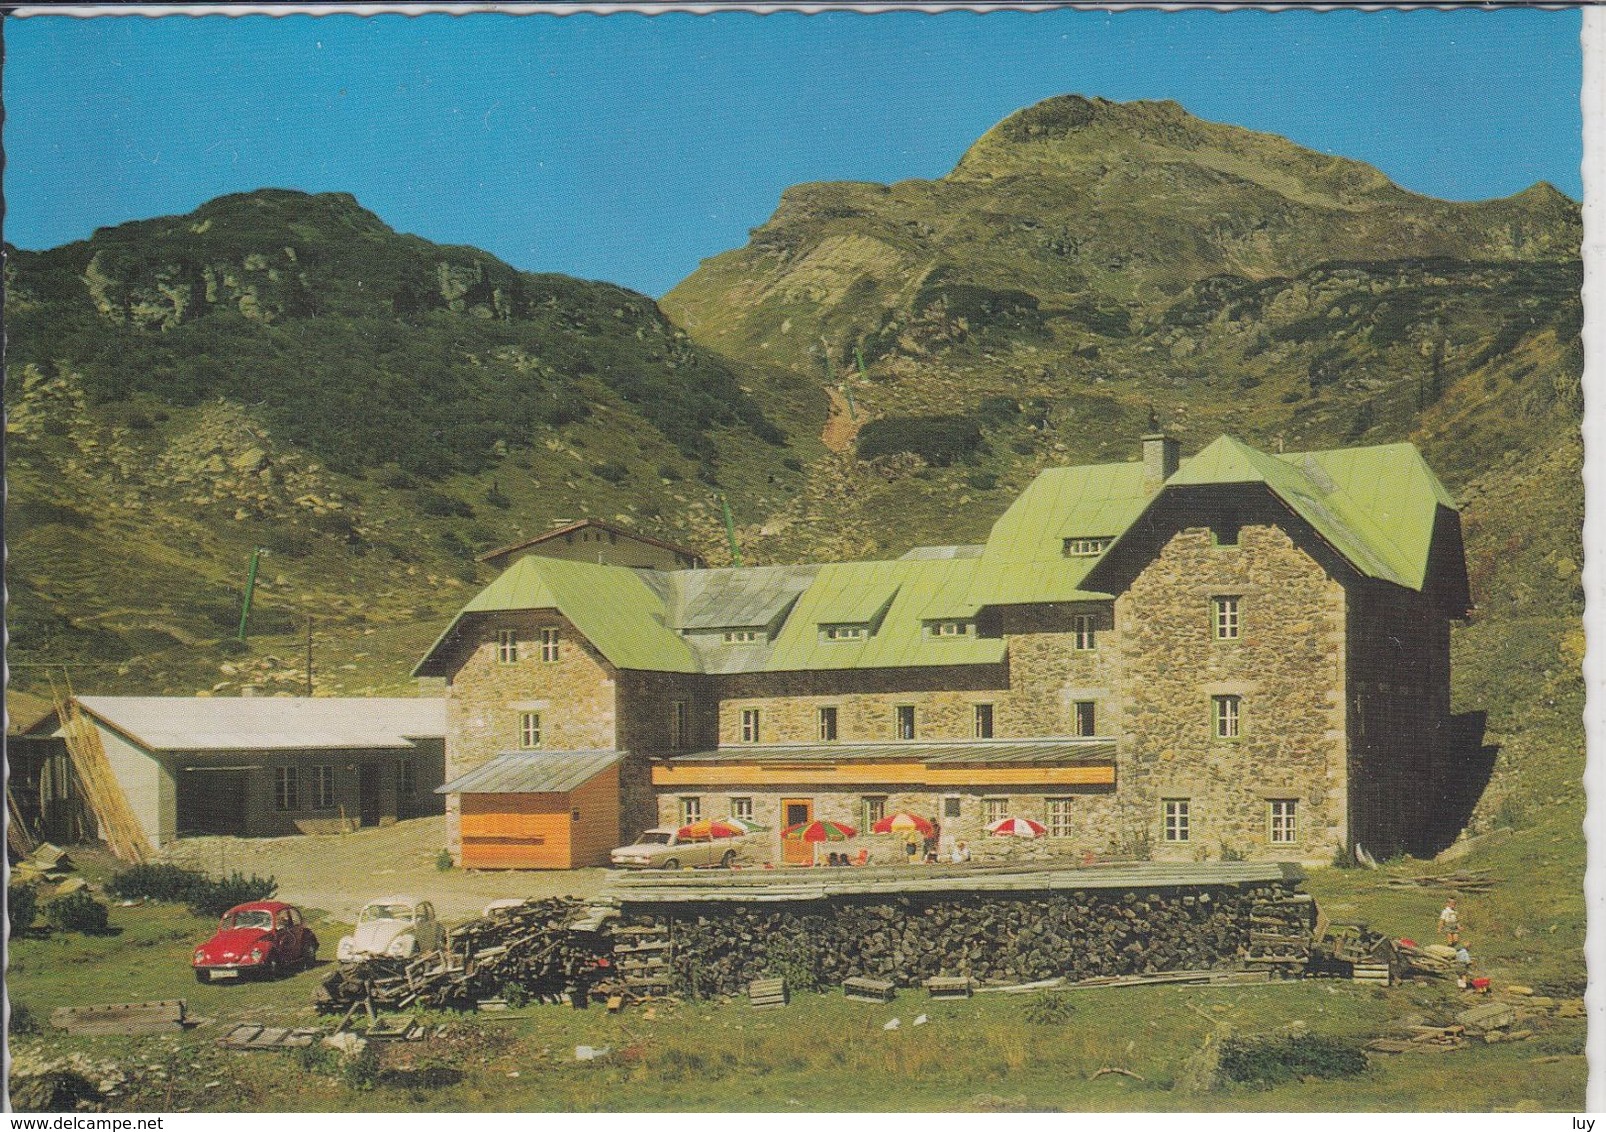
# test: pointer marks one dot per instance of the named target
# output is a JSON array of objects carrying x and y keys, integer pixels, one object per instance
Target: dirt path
[
  {"x": 338, "y": 873},
  {"x": 841, "y": 429}
]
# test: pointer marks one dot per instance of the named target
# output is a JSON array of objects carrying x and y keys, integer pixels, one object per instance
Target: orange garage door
[{"x": 515, "y": 831}]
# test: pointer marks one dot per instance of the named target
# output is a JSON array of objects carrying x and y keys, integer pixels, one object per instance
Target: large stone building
[{"x": 1238, "y": 654}]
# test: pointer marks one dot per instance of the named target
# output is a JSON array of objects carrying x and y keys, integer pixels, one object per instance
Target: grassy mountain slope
[{"x": 283, "y": 371}]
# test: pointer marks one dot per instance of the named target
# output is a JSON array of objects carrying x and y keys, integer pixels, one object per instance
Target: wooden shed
[{"x": 538, "y": 810}]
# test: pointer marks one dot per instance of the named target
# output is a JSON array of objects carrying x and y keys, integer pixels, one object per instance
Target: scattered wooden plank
[
  {"x": 163, "y": 1016},
  {"x": 248, "y": 1036},
  {"x": 1117, "y": 1069}
]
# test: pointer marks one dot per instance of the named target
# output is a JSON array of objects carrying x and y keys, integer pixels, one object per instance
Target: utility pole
[
  {"x": 730, "y": 531},
  {"x": 250, "y": 587}
]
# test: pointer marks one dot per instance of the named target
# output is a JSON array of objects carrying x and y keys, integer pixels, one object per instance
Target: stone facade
[
  {"x": 962, "y": 814},
  {"x": 576, "y": 696},
  {"x": 789, "y": 703},
  {"x": 1287, "y": 669}
]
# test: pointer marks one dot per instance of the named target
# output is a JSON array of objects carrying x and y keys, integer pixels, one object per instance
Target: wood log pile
[
  {"x": 526, "y": 950},
  {"x": 1076, "y": 934}
]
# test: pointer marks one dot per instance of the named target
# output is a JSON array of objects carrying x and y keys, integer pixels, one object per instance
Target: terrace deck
[{"x": 799, "y": 885}]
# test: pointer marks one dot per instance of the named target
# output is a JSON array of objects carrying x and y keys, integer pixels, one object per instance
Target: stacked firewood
[
  {"x": 527, "y": 950},
  {"x": 1280, "y": 931},
  {"x": 1077, "y": 934}
]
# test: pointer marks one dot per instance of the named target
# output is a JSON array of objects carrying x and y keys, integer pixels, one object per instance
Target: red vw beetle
[{"x": 264, "y": 936}]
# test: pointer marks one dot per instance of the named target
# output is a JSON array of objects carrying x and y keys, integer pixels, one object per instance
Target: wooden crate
[
  {"x": 766, "y": 993},
  {"x": 939, "y": 986},
  {"x": 869, "y": 990}
]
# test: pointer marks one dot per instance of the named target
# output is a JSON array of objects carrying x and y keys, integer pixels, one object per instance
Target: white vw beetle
[{"x": 393, "y": 926}]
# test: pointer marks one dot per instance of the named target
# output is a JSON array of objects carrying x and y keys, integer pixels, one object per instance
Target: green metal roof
[
  {"x": 1024, "y": 559},
  {"x": 922, "y": 589},
  {"x": 1375, "y": 506},
  {"x": 611, "y": 606}
]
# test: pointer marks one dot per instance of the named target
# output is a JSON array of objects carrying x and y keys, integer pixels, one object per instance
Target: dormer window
[
  {"x": 951, "y": 628},
  {"x": 844, "y": 632},
  {"x": 1087, "y": 547},
  {"x": 743, "y": 636}
]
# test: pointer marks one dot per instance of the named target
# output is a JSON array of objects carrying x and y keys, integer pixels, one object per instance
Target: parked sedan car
[
  {"x": 263, "y": 937},
  {"x": 663, "y": 848},
  {"x": 395, "y": 926}
]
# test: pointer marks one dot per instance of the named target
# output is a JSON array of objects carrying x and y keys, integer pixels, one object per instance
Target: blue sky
[{"x": 628, "y": 147}]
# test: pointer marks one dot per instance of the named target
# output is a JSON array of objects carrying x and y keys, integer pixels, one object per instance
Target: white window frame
[
  {"x": 742, "y": 806},
  {"x": 872, "y": 808},
  {"x": 1227, "y": 717},
  {"x": 550, "y": 645},
  {"x": 951, "y": 629},
  {"x": 323, "y": 786},
  {"x": 743, "y": 636},
  {"x": 678, "y": 725},
  {"x": 286, "y": 789},
  {"x": 1176, "y": 820},
  {"x": 828, "y": 719},
  {"x": 903, "y": 722},
  {"x": 1282, "y": 821},
  {"x": 844, "y": 632},
  {"x": 984, "y": 717},
  {"x": 691, "y": 808},
  {"x": 1092, "y": 712},
  {"x": 993, "y": 809},
  {"x": 529, "y": 731},
  {"x": 1084, "y": 632},
  {"x": 1086, "y": 547},
  {"x": 507, "y": 646},
  {"x": 1058, "y": 816},
  {"x": 1226, "y": 621},
  {"x": 406, "y": 779},
  {"x": 752, "y": 723}
]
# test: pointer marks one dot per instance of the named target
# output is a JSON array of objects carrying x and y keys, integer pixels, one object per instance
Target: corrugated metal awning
[
  {"x": 980, "y": 752},
  {"x": 533, "y": 772}
]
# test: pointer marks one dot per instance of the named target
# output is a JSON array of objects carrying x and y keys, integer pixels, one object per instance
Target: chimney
[{"x": 1161, "y": 454}]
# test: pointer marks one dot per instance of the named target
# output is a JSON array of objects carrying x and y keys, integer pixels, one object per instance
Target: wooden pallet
[
  {"x": 767, "y": 993},
  {"x": 249, "y": 1036},
  {"x": 1376, "y": 973},
  {"x": 869, "y": 990},
  {"x": 394, "y": 1028},
  {"x": 939, "y": 986}
]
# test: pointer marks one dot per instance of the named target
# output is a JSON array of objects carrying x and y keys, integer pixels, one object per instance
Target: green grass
[{"x": 824, "y": 1053}]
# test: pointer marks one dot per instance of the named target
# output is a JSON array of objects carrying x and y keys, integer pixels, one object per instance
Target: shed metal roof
[
  {"x": 269, "y": 723},
  {"x": 533, "y": 772},
  {"x": 967, "y": 752}
]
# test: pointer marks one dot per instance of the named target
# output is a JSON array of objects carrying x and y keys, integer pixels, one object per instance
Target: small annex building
[
  {"x": 604, "y": 544},
  {"x": 269, "y": 766},
  {"x": 538, "y": 810},
  {"x": 1237, "y": 655}
]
